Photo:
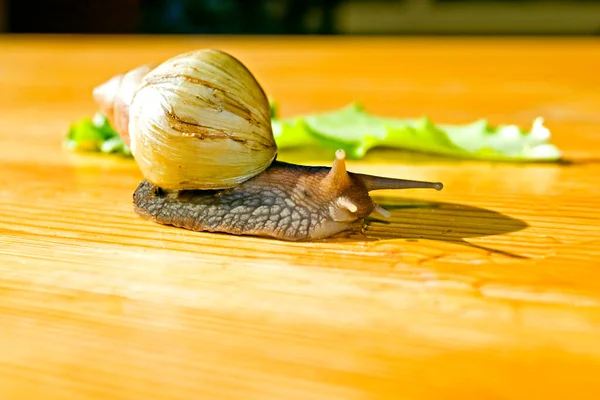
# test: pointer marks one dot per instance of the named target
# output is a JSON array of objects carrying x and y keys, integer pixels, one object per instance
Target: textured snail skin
[{"x": 286, "y": 202}]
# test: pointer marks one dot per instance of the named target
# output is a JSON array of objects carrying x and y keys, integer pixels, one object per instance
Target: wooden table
[{"x": 489, "y": 289}]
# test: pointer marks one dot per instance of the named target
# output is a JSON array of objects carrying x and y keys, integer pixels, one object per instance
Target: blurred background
[{"x": 320, "y": 17}]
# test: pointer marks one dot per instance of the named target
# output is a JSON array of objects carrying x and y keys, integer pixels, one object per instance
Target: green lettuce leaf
[
  {"x": 357, "y": 131},
  {"x": 95, "y": 135}
]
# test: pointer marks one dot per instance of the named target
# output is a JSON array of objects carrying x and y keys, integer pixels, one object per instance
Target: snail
[{"x": 199, "y": 128}]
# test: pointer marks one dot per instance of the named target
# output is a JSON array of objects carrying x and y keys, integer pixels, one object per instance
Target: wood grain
[{"x": 489, "y": 289}]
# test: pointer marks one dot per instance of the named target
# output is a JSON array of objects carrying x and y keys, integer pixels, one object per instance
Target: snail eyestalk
[
  {"x": 338, "y": 177},
  {"x": 381, "y": 183}
]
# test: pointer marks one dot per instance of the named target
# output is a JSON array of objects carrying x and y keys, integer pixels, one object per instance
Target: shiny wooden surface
[{"x": 489, "y": 289}]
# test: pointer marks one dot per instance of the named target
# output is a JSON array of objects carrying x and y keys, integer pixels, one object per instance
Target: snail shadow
[{"x": 415, "y": 219}]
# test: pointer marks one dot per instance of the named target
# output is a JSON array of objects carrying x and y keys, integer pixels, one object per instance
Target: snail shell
[{"x": 199, "y": 120}]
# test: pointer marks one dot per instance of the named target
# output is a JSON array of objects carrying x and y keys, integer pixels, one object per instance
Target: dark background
[{"x": 326, "y": 17}]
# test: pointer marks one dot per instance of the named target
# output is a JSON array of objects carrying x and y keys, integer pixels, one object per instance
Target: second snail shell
[{"x": 199, "y": 120}]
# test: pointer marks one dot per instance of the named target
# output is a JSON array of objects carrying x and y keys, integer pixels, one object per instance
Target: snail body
[{"x": 198, "y": 126}]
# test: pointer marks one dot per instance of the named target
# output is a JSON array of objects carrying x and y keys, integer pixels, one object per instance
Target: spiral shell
[{"x": 199, "y": 120}]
